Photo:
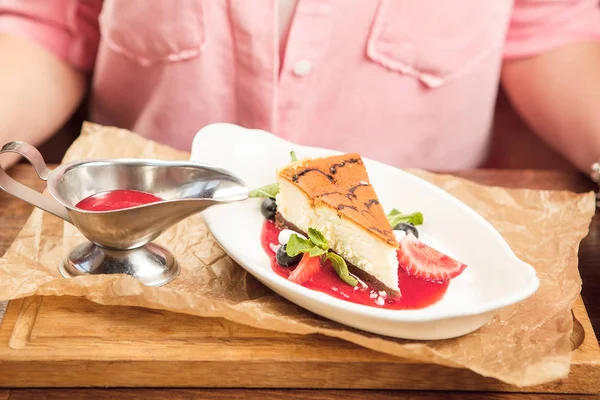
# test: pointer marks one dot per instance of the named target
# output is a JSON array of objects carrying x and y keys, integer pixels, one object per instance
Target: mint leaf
[
  {"x": 340, "y": 267},
  {"x": 315, "y": 245},
  {"x": 293, "y": 156},
  {"x": 317, "y": 251},
  {"x": 317, "y": 238},
  {"x": 297, "y": 245},
  {"x": 265, "y": 191},
  {"x": 395, "y": 217}
]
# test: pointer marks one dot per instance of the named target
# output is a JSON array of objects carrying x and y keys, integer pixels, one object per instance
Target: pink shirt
[{"x": 410, "y": 83}]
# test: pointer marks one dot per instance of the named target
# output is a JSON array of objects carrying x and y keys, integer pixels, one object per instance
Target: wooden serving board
[{"x": 72, "y": 342}]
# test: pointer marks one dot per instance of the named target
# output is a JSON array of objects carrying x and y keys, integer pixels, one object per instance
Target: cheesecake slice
[{"x": 334, "y": 195}]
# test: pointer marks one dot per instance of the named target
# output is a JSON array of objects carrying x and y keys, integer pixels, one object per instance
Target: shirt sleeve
[
  {"x": 68, "y": 28},
  {"x": 537, "y": 26}
]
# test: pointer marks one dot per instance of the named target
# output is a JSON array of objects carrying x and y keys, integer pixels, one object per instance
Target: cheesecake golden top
[{"x": 342, "y": 183}]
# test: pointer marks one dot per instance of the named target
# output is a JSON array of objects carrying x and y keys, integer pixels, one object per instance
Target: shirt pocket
[
  {"x": 153, "y": 31},
  {"x": 436, "y": 41}
]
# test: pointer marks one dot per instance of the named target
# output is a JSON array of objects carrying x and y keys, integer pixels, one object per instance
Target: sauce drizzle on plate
[{"x": 416, "y": 293}]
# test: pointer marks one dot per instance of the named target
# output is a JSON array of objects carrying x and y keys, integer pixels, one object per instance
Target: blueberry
[
  {"x": 268, "y": 208},
  {"x": 408, "y": 228},
  {"x": 286, "y": 261}
]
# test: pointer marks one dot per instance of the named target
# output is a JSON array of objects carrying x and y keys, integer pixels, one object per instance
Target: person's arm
[
  {"x": 551, "y": 74},
  {"x": 558, "y": 94},
  {"x": 39, "y": 92},
  {"x": 47, "y": 52}
]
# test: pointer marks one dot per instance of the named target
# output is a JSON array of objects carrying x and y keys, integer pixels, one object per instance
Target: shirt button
[{"x": 302, "y": 68}]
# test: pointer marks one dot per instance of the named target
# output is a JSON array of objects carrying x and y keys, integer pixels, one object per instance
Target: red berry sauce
[{"x": 416, "y": 293}]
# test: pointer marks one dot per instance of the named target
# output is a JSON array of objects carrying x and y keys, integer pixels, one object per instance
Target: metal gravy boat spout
[{"x": 120, "y": 239}]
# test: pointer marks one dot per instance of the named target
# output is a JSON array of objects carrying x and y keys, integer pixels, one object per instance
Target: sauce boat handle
[{"x": 25, "y": 193}]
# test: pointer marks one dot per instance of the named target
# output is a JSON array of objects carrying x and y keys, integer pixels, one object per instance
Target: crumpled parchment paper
[{"x": 525, "y": 344}]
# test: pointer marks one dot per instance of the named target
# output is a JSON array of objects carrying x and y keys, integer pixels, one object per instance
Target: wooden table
[{"x": 13, "y": 214}]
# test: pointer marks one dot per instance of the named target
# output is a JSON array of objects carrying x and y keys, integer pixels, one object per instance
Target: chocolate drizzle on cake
[
  {"x": 360, "y": 206},
  {"x": 307, "y": 170},
  {"x": 342, "y": 206},
  {"x": 330, "y": 193},
  {"x": 353, "y": 189},
  {"x": 369, "y": 203},
  {"x": 334, "y": 167},
  {"x": 383, "y": 232}
]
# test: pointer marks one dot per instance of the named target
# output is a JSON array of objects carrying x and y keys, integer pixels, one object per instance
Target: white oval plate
[{"x": 495, "y": 277}]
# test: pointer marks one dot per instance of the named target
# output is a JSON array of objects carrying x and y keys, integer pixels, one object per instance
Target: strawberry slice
[
  {"x": 305, "y": 270},
  {"x": 424, "y": 262}
]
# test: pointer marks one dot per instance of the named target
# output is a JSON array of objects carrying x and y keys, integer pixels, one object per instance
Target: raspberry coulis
[
  {"x": 116, "y": 200},
  {"x": 416, "y": 293}
]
